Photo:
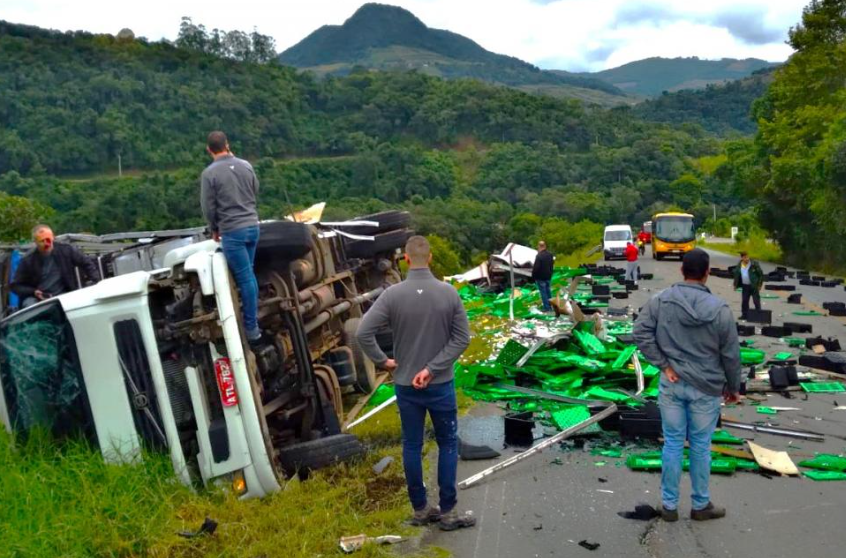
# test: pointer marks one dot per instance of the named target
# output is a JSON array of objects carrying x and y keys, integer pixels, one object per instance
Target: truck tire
[
  {"x": 384, "y": 242},
  {"x": 283, "y": 240},
  {"x": 365, "y": 370},
  {"x": 388, "y": 221},
  {"x": 316, "y": 454}
]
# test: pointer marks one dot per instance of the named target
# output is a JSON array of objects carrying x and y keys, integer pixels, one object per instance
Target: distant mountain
[
  {"x": 653, "y": 76},
  {"x": 391, "y": 38},
  {"x": 723, "y": 109}
]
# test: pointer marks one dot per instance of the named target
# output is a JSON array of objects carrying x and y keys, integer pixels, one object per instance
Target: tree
[
  {"x": 445, "y": 260},
  {"x": 18, "y": 216}
]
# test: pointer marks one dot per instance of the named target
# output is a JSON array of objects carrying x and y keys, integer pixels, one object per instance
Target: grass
[
  {"x": 65, "y": 501},
  {"x": 758, "y": 249}
]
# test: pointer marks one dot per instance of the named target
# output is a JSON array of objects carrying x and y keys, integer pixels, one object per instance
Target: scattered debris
[
  {"x": 469, "y": 452},
  {"x": 588, "y": 545},
  {"x": 208, "y": 527},
  {"x": 642, "y": 512},
  {"x": 380, "y": 467},
  {"x": 357, "y": 542},
  {"x": 778, "y": 461}
]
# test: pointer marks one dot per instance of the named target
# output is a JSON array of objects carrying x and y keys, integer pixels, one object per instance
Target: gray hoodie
[{"x": 693, "y": 331}]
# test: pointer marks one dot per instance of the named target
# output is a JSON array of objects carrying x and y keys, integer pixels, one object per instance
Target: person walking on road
[
  {"x": 690, "y": 335},
  {"x": 50, "y": 269},
  {"x": 430, "y": 331},
  {"x": 748, "y": 277},
  {"x": 542, "y": 274},
  {"x": 631, "y": 262},
  {"x": 228, "y": 198}
]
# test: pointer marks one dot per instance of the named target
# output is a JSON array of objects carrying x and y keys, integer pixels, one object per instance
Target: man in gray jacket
[
  {"x": 691, "y": 335},
  {"x": 430, "y": 331},
  {"x": 228, "y": 198}
]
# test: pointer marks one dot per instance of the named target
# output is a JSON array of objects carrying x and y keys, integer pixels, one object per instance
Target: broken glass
[{"x": 41, "y": 376}]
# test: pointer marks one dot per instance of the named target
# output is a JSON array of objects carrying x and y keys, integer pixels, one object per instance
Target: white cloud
[{"x": 566, "y": 34}]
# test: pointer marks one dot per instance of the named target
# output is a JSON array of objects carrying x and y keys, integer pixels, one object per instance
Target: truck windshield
[
  {"x": 40, "y": 373},
  {"x": 674, "y": 229},
  {"x": 618, "y": 235}
]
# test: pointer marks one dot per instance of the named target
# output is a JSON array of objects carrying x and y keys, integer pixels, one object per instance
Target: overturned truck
[{"x": 154, "y": 356}]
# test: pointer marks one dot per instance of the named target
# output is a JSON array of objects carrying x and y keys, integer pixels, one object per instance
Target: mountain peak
[{"x": 384, "y": 37}]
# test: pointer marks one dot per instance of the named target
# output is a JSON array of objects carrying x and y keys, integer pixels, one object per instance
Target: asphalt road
[{"x": 539, "y": 508}]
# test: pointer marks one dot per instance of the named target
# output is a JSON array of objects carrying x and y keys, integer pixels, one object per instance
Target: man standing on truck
[
  {"x": 431, "y": 331},
  {"x": 542, "y": 274},
  {"x": 631, "y": 263},
  {"x": 690, "y": 335},
  {"x": 50, "y": 269},
  {"x": 228, "y": 198},
  {"x": 748, "y": 277}
]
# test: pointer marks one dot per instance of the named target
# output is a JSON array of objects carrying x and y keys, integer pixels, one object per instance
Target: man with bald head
[
  {"x": 430, "y": 331},
  {"x": 50, "y": 269}
]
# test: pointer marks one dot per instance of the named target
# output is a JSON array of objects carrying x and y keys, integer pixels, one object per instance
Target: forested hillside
[
  {"x": 721, "y": 109},
  {"x": 475, "y": 163},
  {"x": 653, "y": 76}
]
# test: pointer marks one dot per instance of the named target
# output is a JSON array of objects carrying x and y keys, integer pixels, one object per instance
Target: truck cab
[{"x": 156, "y": 359}]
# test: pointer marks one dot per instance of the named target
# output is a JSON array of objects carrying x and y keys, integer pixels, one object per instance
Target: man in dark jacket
[
  {"x": 690, "y": 335},
  {"x": 748, "y": 277},
  {"x": 50, "y": 269},
  {"x": 430, "y": 331},
  {"x": 542, "y": 274}
]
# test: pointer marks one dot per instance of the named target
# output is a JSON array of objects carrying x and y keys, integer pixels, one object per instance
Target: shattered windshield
[
  {"x": 618, "y": 235},
  {"x": 40, "y": 374},
  {"x": 674, "y": 229}
]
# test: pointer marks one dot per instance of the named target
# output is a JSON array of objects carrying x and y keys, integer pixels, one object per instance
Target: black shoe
[
  {"x": 453, "y": 520},
  {"x": 429, "y": 514},
  {"x": 258, "y": 342},
  {"x": 708, "y": 512},
  {"x": 669, "y": 515}
]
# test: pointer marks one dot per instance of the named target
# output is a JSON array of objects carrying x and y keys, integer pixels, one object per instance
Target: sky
[{"x": 574, "y": 35}]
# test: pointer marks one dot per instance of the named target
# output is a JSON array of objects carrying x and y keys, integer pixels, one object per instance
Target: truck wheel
[
  {"x": 316, "y": 454},
  {"x": 365, "y": 370},
  {"x": 388, "y": 221},
  {"x": 283, "y": 240},
  {"x": 384, "y": 242},
  {"x": 660, "y": 257}
]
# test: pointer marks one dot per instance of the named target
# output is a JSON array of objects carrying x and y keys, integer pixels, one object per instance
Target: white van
[{"x": 615, "y": 239}]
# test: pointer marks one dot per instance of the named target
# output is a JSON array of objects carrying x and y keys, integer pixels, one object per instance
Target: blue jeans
[
  {"x": 545, "y": 293},
  {"x": 686, "y": 413},
  {"x": 239, "y": 248},
  {"x": 439, "y": 401}
]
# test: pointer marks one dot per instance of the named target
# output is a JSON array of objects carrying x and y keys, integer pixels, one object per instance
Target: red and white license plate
[{"x": 226, "y": 382}]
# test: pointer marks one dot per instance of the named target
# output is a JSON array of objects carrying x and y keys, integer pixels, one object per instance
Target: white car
[{"x": 615, "y": 239}]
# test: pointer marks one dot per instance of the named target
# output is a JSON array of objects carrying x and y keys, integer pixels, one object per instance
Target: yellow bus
[{"x": 673, "y": 234}]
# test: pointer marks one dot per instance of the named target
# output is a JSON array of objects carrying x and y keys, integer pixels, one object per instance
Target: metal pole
[
  {"x": 371, "y": 413},
  {"x": 538, "y": 448},
  {"x": 511, "y": 272}
]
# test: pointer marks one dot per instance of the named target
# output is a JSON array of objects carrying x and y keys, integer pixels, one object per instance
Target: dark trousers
[
  {"x": 239, "y": 248},
  {"x": 745, "y": 292},
  {"x": 545, "y": 293},
  {"x": 439, "y": 401}
]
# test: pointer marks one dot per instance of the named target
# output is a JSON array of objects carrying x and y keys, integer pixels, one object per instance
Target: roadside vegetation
[
  {"x": 758, "y": 248},
  {"x": 65, "y": 501}
]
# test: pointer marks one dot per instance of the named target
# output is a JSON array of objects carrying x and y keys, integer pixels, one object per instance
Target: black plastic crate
[
  {"x": 776, "y": 331},
  {"x": 519, "y": 429},
  {"x": 795, "y": 298},
  {"x": 799, "y": 327},
  {"x": 745, "y": 330},
  {"x": 759, "y": 316},
  {"x": 780, "y": 287},
  {"x": 809, "y": 283},
  {"x": 601, "y": 289},
  {"x": 620, "y": 294}
]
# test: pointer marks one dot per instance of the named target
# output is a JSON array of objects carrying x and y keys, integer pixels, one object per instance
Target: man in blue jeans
[
  {"x": 542, "y": 274},
  {"x": 691, "y": 335},
  {"x": 430, "y": 331},
  {"x": 228, "y": 197}
]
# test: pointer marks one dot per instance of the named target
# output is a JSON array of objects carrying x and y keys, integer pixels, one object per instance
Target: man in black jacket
[
  {"x": 50, "y": 269},
  {"x": 542, "y": 274}
]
